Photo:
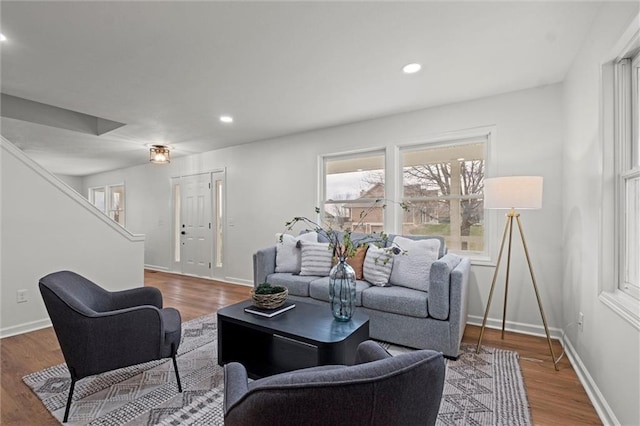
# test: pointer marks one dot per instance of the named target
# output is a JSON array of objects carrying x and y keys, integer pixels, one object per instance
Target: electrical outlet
[
  {"x": 21, "y": 296},
  {"x": 581, "y": 321}
]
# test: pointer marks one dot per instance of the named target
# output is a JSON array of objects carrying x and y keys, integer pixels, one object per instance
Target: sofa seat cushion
[
  {"x": 398, "y": 300},
  {"x": 319, "y": 289},
  {"x": 298, "y": 285}
]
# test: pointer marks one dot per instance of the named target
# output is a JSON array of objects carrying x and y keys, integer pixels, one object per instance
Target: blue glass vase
[{"x": 342, "y": 290}]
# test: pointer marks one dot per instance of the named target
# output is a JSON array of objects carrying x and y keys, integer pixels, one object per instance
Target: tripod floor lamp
[{"x": 513, "y": 192}]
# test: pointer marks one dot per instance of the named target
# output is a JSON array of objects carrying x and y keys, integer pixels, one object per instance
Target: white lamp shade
[{"x": 513, "y": 192}]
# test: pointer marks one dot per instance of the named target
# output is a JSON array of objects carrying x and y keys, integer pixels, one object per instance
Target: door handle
[{"x": 183, "y": 233}]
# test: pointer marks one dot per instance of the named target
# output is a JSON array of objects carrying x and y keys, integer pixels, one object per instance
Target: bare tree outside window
[{"x": 444, "y": 187}]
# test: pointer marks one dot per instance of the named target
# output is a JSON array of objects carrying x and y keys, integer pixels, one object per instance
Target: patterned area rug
[{"x": 482, "y": 389}]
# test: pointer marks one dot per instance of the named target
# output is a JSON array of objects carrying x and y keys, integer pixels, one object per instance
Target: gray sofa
[{"x": 433, "y": 319}]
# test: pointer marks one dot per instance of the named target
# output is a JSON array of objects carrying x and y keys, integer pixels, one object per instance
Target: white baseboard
[
  {"x": 24, "y": 328},
  {"x": 230, "y": 280},
  {"x": 601, "y": 406},
  {"x": 518, "y": 327},
  {"x": 239, "y": 281},
  {"x": 606, "y": 414},
  {"x": 156, "y": 268}
]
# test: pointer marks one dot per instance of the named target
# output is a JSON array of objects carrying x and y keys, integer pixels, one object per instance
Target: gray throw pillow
[
  {"x": 288, "y": 252},
  {"x": 412, "y": 268}
]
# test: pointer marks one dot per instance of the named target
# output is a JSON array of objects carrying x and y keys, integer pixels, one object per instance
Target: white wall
[
  {"x": 74, "y": 182},
  {"x": 47, "y": 227},
  {"x": 608, "y": 347},
  {"x": 271, "y": 181}
]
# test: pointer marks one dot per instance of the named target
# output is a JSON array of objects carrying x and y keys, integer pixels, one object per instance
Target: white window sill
[
  {"x": 477, "y": 258},
  {"x": 624, "y": 305}
]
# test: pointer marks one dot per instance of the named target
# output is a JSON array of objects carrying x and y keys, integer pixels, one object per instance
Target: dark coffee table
[{"x": 304, "y": 336}]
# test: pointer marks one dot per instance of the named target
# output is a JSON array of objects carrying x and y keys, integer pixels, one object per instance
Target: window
[
  {"x": 443, "y": 184},
  {"x": 352, "y": 184},
  {"x": 98, "y": 197},
  {"x": 628, "y": 173},
  {"x": 110, "y": 200}
]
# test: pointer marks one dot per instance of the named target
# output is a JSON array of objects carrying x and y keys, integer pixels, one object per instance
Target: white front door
[{"x": 195, "y": 225}]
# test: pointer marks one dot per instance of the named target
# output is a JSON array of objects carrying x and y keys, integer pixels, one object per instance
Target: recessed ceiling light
[
  {"x": 226, "y": 119},
  {"x": 2, "y": 37},
  {"x": 411, "y": 68}
]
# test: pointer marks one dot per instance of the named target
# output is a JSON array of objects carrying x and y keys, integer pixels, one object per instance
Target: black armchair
[
  {"x": 100, "y": 331},
  {"x": 379, "y": 390}
]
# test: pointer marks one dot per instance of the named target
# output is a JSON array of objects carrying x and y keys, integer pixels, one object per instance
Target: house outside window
[
  {"x": 110, "y": 200},
  {"x": 443, "y": 185},
  {"x": 442, "y": 182},
  {"x": 352, "y": 184}
]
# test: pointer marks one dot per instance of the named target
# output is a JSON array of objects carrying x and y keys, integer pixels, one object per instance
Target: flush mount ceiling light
[
  {"x": 2, "y": 37},
  {"x": 159, "y": 154},
  {"x": 411, "y": 68},
  {"x": 226, "y": 119}
]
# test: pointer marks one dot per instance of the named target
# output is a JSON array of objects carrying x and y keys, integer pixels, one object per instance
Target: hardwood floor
[{"x": 556, "y": 397}]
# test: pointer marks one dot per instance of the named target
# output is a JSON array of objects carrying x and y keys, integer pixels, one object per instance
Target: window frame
[
  {"x": 322, "y": 196},
  {"x": 616, "y": 134},
  {"x": 626, "y": 167},
  {"x": 458, "y": 138},
  {"x": 107, "y": 190},
  {"x": 393, "y": 214}
]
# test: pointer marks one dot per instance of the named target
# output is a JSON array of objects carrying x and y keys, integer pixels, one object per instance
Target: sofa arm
[
  {"x": 369, "y": 351},
  {"x": 458, "y": 300},
  {"x": 439, "y": 285},
  {"x": 235, "y": 384},
  {"x": 264, "y": 264}
]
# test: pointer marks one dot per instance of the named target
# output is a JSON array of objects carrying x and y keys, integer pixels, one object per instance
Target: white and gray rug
[{"x": 482, "y": 389}]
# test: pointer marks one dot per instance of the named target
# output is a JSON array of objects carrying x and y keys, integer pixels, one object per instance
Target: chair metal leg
[
  {"x": 66, "y": 411},
  {"x": 175, "y": 367}
]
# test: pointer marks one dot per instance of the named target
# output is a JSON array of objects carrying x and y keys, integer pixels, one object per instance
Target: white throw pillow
[
  {"x": 317, "y": 259},
  {"x": 412, "y": 269},
  {"x": 377, "y": 266},
  {"x": 288, "y": 252}
]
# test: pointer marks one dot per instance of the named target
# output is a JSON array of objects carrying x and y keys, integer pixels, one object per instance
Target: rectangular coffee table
[{"x": 304, "y": 336}]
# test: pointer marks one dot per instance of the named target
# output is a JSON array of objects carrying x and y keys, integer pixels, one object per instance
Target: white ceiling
[{"x": 169, "y": 69}]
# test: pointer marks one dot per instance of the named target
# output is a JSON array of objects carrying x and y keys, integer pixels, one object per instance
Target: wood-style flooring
[{"x": 556, "y": 397}]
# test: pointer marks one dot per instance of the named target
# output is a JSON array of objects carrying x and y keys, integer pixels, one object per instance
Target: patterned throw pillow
[
  {"x": 316, "y": 259},
  {"x": 288, "y": 252},
  {"x": 377, "y": 266}
]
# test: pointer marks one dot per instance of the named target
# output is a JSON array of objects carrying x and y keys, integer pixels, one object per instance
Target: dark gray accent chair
[
  {"x": 380, "y": 389},
  {"x": 100, "y": 331}
]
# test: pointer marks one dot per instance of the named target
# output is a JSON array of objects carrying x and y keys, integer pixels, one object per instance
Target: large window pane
[
  {"x": 352, "y": 186},
  {"x": 632, "y": 237},
  {"x": 116, "y": 204},
  {"x": 444, "y": 186},
  {"x": 98, "y": 196}
]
